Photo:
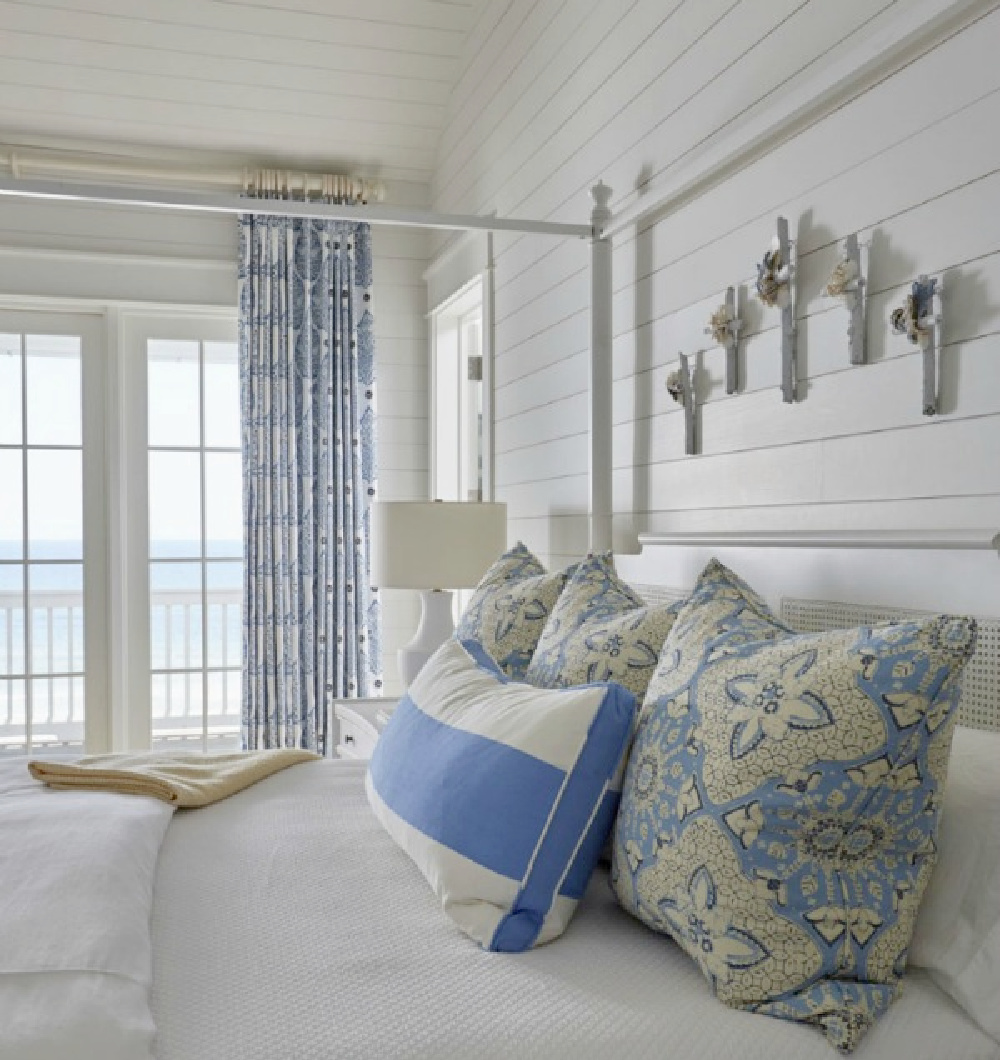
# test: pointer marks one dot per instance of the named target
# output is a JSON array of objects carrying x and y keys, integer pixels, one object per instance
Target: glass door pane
[
  {"x": 42, "y": 650},
  {"x": 195, "y": 519}
]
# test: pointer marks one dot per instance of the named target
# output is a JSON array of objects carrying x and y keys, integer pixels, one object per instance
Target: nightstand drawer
[
  {"x": 360, "y": 721},
  {"x": 356, "y": 740}
]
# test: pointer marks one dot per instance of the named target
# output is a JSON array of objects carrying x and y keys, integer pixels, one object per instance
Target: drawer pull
[{"x": 348, "y": 738}]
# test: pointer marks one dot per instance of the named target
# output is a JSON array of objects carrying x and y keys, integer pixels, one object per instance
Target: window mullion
[
  {"x": 204, "y": 547},
  {"x": 95, "y": 355},
  {"x": 25, "y": 555}
]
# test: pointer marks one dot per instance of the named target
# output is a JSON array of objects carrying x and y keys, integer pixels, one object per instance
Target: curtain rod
[
  {"x": 210, "y": 202},
  {"x": 60, "y": 164}
]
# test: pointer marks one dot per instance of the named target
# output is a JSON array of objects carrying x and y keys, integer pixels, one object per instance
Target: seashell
[
  {"x": 772, "y": 287},
  {"x": 919, "y": 304},
  {"x": 675, "y": 386},
  {"x": 900, "y": 321},
  {"x": 719, "y": 324},
  {"x": 841, "y": 278}
]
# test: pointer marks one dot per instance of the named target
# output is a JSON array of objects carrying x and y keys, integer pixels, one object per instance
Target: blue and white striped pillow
[{"x": 500, "y": 792}]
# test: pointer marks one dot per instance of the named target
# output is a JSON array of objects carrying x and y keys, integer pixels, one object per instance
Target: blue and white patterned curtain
[{"x": 307, "y": 377}]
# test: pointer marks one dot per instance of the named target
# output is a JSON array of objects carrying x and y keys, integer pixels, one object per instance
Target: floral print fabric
[
  {"x": 600, "y": 630},
  {"x": 509, "y": 609},
  {"x": 779, "y": 810},
  {"x": 307, "y": 378}
]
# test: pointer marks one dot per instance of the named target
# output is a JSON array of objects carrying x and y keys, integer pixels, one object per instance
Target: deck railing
[{"x": 180, "y": 677}]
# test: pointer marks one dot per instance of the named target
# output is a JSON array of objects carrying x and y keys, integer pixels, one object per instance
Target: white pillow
[
  {"x": 500, "y": 792},
  {"x": 957, "y": 934}
]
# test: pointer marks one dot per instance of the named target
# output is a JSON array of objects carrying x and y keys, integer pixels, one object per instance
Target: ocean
[{"x": 178, "y": 649}]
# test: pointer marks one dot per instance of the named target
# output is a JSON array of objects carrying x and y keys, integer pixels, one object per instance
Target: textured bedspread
[
  {"x": 287, "y": 926},
  {"x": 77, "y": 872}
]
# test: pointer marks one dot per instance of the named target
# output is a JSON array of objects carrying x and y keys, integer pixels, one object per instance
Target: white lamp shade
[{"x": 436, "y": 544}]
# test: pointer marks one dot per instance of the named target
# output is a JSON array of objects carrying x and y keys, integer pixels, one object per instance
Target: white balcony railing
[{"x": 179, "y": 678}]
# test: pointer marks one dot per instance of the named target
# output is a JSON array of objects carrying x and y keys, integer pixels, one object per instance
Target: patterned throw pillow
[
  {"x": 600, "y": 630},
  {"x": 510, "y": 607},
  {"x": 780, "y": 806},
  {"x": 500, "y": 792}
]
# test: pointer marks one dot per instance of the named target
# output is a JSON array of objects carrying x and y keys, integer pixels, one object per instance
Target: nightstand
[{"x": 361, "y": 721}]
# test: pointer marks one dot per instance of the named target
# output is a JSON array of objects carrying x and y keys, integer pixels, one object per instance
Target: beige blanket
[{"x": 183, "y": 780}]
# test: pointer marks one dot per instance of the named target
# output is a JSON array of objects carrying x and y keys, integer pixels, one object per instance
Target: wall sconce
[
  {"x": 849, "y": 281},
  {"x": 776, "y": 282},
  {"x": 724, "y": 327},
  {"x": 919, "y": 319},
  {"x": 680, "y": 388}
]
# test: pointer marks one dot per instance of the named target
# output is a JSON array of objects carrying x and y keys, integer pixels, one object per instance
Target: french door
[
  {"x": 184, "y": 532},
  {"x": 53, "y": 559},
  {"x": 120, "y": 531}
]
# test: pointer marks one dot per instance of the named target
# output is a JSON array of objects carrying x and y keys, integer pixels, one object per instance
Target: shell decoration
[
  {"x": 841, "y": 279},
  {"x": 772, "y": 277},
  {"x": 720, "y": 325},
  {"x": 911, "y": 317},
  {"x": 675, "y": 386}
]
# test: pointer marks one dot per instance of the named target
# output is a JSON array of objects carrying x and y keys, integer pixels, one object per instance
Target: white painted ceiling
[{"x": 355, "y": 85}]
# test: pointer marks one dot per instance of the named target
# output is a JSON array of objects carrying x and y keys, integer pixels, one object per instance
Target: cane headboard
[{"x": 917, "y": 574}]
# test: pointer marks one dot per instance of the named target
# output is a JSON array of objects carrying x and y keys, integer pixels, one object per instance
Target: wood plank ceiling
[{"x": 353, "y": 85}]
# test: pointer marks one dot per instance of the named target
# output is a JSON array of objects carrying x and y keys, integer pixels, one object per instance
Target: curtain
[{"x": 307, "y": 378}]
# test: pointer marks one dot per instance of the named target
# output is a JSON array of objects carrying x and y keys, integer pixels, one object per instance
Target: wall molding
[
  {"x": 980, "y": 540},
  {"x": 106, "y": 307},
  {"x": 98, "y": 257}
]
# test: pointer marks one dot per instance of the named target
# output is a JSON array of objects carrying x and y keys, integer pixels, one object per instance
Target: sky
[{"x": 51, "y": 415}]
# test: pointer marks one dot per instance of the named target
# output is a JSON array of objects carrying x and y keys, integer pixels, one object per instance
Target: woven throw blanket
[{"x": 186, "y": 781}]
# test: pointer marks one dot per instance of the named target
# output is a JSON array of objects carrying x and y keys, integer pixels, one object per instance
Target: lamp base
[{"x": 437, "y": 624}]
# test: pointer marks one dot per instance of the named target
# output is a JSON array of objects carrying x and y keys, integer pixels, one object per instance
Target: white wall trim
[
  {"x": 456, "y": 296},
  {"x": 97, "y": 257},
  {"x": 99, "y": 306},
  {"x": 910, "y": 539},
  {"x": 728, "y": 151}
]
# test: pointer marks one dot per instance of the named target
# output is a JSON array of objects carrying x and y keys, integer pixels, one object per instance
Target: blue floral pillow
[
  {"x": 510, "y": 607},
  {"x": 780, "y": 807},
  {"x": 600, "y": 630}
]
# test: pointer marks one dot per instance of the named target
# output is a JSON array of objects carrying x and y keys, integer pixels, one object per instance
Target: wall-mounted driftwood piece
[
  {"x": 919, "y": 319},
  {"x": 681, "y": 388},
  {"x": 776, "y": 283},
  {"x": 849, "y": 281},
  {"x": 724, "y": 327}
]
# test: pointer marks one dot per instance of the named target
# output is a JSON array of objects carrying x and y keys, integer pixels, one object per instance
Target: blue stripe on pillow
[
  {"x": 571, "y": 823},
  {"x": 496, "y": 825}
]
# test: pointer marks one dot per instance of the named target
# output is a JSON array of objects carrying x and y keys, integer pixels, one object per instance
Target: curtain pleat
[{"x": 307, "y": 375}]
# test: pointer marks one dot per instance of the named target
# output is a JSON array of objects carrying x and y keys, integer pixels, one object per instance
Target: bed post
[{"x": 600, "y": 373}]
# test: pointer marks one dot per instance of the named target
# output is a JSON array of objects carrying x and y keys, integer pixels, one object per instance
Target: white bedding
[
  {"x": 287, "y": 926},
  {"x": 76, "y": 888}
]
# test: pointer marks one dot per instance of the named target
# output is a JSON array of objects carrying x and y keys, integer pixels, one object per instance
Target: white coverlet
[
  {"x": 76, "y": 889},
  {"x": 957, "y": 937},
  {"x": 288, "y": 926}
]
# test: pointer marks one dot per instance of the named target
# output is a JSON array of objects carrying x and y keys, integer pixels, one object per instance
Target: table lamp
[{"x": 434, "y": 546}]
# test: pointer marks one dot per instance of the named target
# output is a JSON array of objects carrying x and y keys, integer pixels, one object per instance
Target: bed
[{"x": 285, "y": 923}]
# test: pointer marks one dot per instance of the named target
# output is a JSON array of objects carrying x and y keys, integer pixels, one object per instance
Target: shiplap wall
[
  {"x": 556, "y": 94},
  {"x": 76, "y": 251}
]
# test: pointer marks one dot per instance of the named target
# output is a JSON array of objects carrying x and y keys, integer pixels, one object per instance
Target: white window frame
[
  {"x": 116, "y": 511},
  {"x": 133, "y": 716},
  {"x": 92, "y": 328}
]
